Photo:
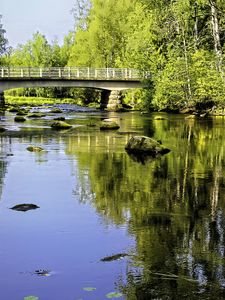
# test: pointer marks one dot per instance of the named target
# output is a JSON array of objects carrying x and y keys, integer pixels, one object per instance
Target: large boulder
[{"x": 145, "y": 145}]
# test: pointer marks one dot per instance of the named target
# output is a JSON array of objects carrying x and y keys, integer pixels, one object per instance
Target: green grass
[{"x": 12, "y": 100}]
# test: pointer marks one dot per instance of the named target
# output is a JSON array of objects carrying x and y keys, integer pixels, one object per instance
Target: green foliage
[{"x": 180, "y": 42}]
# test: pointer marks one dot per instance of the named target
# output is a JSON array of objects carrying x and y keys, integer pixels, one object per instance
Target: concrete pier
[
  {"x": 111, "y": 100},
  {"x": 2, "y": 99}
]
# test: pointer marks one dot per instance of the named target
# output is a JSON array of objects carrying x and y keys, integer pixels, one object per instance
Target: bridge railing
[{"x": 73, "y": 73}]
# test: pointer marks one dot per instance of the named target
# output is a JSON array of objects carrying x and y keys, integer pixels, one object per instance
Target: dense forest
[{"x": 181, "y": 42}]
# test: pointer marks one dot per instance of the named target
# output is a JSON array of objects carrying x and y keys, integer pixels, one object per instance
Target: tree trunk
[{"x": 216, "y": 36}]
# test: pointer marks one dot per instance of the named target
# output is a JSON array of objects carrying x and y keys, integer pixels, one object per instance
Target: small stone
[
  {"x": 24, "y": 207},
  {"x": 109, "y": 125},
  {"x": 34, "y": 149},
  {"x": 2, "y": 129},
  {"x": 56, "y": 111},
  {"x": 19, "y": 119},
  {"x": 61, "y": 125}
]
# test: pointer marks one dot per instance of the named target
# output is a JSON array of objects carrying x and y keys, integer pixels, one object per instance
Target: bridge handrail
[{"x": 73, "y": 73}]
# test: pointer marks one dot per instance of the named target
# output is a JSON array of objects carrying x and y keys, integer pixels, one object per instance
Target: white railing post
[
  {"x": 130, "y": 73},
  {"x": 69, "y": 73},
  {"x": 78, "y": 73},
  {"x": 114, "y": 73},
  {"x": 96, "y": 73},
  {"x": 107, "y": 73},
  {"x": 60, "y": 73},
  {"x": 21, "y": 72},
  {"x": 40, "y": 72},
  {"x": 88, "y": 73},
  {"x": 2, "y": 72}
]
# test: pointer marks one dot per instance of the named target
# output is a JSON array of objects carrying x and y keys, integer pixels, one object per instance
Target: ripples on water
[{"x": 166, "y": 216}]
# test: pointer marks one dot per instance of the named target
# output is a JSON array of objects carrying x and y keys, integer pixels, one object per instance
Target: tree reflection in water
[{"x": 173, "y": 205}]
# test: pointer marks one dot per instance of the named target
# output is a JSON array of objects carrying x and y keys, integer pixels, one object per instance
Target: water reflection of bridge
[{"x": 96, "y": 142}]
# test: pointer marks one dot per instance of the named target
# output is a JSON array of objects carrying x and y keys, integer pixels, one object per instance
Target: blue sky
[{"x": 22, "y": 18}]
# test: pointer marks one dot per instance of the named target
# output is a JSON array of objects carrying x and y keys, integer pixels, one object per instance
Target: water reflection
[{"x": 173, "y": 206}]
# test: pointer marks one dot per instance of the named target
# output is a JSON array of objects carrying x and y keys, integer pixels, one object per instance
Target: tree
[{"x": 3, "y": 41}]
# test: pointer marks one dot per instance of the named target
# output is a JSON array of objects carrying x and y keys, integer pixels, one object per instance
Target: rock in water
[
  {"x": 113, "y": 257},
  {"x": 2, "y": 129},
  {"x": 109, "y": 125},
  {"x": 61, "y": 125},
  {"x": 24, "y": 207},
  {"x": 34, "y": 149},
  {"x": 41, "y": 272},
  {"x": 19, "y": 119},
  {"x": 145, "y": 145},
  {"x": 56, "y": 110}
]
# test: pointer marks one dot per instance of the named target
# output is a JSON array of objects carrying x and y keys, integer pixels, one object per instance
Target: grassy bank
[{"x": 38, "y": 101}]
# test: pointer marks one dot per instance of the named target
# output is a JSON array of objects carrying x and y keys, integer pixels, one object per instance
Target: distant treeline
[{"x": 180, "y": 41}]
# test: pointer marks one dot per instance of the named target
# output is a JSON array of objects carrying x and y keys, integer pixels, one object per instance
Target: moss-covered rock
[
  {"x": 14, "y": 109},
  {"x": 19, "y": 119},
  {"x": 146, "y": 145},
  {"x": 36, "y": 115},
  {"x": 60, "y": 125},
  {"x": 22, "y": 112},
  {"x": 109, "y": 125},
  {"x": 56, "y": 111},
  {"x": 34, "y": 149}
]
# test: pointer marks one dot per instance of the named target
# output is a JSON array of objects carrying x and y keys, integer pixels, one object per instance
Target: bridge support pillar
[
  {"x": 111, "y": 100},
  {"x": 2, "y": 99}
]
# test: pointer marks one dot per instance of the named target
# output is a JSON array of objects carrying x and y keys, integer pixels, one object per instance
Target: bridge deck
[{"x": 72, "y": 73}]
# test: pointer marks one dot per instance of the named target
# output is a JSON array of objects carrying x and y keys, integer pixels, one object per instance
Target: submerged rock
[
  {"x": 19, "y": 119},
  {"x": 34, "y": 149},
  {"x": 113, "y": 257},
  {"x": 41, "y": 272},
  {"x": 145, "y": 145},
  {"x": 109, "y": 125},
  {"x": 24, "y": 207},
  {"x": 61, "y": 125},
  {"x": 2, "y": 129}
]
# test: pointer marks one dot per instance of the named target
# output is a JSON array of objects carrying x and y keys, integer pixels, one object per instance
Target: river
[{"x": 109, "y": 225}]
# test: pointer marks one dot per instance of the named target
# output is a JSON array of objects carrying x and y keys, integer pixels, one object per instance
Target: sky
[{"x": 22, "y": 18}]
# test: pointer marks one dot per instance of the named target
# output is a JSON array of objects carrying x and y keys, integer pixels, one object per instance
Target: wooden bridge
[{"x": 111, "y": 80}]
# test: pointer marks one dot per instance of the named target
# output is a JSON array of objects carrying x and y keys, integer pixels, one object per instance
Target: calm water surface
[{"x": 167, "y": 215}]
